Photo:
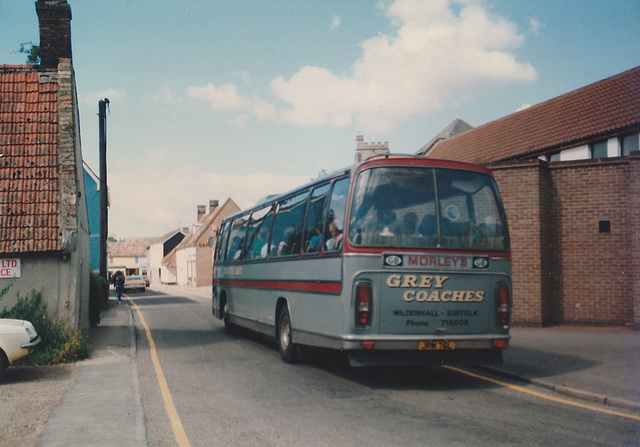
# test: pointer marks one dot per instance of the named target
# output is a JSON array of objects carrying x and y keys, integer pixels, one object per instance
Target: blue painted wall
[{"x": 92, "y": 194}]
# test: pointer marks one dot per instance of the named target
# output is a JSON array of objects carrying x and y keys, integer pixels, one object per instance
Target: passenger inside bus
[
  {"x": 238, "y": 254},
  {"x": 408, "y": 224},
  {"x": 315, "y": 242},
  {"x": 429, "y": 228},
  {"x": 335, "y": 243},
  {"x": 287, "y": 245}
]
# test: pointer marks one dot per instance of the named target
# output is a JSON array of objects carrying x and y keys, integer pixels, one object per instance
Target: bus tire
[
  {"x": 288, "y": 350},
  {"x": 228, "y": 327}
]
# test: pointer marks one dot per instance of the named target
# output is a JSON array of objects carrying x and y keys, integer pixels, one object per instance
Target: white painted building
[{"x": 161, "y": 259}]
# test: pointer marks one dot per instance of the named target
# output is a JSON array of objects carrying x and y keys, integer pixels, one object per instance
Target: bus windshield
[{"x": 427, "y": 207}]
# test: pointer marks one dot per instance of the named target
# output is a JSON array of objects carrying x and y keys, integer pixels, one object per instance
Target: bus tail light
[
  {"x": 364, "y": 304},
  {"x": 503, "y": 306}
]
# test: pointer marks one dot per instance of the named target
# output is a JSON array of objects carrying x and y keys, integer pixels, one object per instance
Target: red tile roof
[
  {"x": 133, "y": 246},
  {"x": 598, "y": 110},
  {"x": 29, "y": 182}
]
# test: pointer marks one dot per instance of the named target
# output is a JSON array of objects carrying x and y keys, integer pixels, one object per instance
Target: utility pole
[{"x": 104, "y": 200}]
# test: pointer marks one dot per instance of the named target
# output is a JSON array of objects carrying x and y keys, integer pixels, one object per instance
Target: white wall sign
[{"x": 9, "y": 268}]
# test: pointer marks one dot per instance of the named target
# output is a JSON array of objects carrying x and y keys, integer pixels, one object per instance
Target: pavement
[{"x": 104, "y": 406}]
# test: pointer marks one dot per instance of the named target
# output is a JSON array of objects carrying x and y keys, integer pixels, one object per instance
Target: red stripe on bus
[{"x": 298, "y": 286}]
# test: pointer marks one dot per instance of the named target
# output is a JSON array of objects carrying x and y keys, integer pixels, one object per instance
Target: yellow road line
[
  {"x": 543, "y": 396},
  {"x": 174, "y": 418}
]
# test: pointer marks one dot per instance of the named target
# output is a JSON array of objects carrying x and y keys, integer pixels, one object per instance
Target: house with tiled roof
[
  {"x": 128, "y": 256},
  {"x": 44, "y": 231},
  {"x": 565, "y": 128},
  {"x": 568, "y": 170},
  {"x": 194, "y": 255}
]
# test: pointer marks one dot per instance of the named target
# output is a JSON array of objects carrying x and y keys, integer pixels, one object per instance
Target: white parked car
[
  {"x": 134, "y": 282},
  {"x": 17, "y": 339}
]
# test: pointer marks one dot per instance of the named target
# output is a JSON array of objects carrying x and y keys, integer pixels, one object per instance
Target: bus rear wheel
[{"x": 288, "y": 350}]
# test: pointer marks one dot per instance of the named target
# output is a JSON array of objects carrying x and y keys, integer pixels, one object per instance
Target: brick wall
[
  {"x": 634, "y": 215},
  {"x": 595, "y": 267},
  {"x": 519, "y": 187},
  {"x": 564, "y": 268}
]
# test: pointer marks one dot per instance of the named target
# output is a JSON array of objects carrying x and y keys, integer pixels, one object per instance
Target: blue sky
[{"x": 213, "y": 99}]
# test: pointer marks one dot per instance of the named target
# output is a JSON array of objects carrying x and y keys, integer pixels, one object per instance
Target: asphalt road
[{"x": 234, "y": 390}]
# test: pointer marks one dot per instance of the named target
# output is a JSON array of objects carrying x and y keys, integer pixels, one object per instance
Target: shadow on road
[
  {"x": 153, "y": 298},
  {"x": 20, "y": 374},
  {"x": 431, "y": 377},
  {"x": 522, "y": 362}
]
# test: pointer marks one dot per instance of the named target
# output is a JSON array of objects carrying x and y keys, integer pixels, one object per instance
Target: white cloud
[
  {"x": 159, "y": 199},
  {"x": 436, "y": 56},
  {"x": 239, "y": 122},
  {"x": 336, "y": 21},
  {"x": 224, "y": 98},
  {"x": 166, "y": 95},
  {"x": 535, "y": 25}
]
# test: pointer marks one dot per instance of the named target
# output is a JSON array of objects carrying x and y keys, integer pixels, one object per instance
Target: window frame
[
  {"x": 326, "y": 196},
  {"x": 297, "y": 238}
]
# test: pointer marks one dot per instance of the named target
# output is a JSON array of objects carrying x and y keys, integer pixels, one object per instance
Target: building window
[
  {"x": 604, "y": 226},
  {"x": 599, "y": 149},
  {"x": 629, "y": 144}
]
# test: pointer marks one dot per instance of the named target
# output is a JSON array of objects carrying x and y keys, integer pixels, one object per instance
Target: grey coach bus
[{"x": 397, "y": 260}]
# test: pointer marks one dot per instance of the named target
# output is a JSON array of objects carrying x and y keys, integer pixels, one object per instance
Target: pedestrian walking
[{"x": 119, "y": 281}]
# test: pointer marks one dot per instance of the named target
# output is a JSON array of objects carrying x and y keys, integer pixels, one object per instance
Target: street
[{"x": 234, "y": 390}]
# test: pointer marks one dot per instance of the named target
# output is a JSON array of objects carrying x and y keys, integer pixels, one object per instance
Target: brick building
[
  {"x": 568, "y": 170},
  {"x": 194, "y": 254}
]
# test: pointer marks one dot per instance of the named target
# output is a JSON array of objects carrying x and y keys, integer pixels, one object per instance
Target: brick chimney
[
  {"x": 55, "y": 31},
  {"x": 213, "y": 204},
  {"x": 202, "y": 210}
]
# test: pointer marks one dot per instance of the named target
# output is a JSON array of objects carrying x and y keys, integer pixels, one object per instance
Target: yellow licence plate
[{"x": 436, "y": 345}]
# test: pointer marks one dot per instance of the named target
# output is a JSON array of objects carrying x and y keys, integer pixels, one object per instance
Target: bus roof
[
  {"x": 415, "y": 160},
  {"x": 376, "y": 160}
]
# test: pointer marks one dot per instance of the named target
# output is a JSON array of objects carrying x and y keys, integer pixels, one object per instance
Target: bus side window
[
  {"x": 313, "y": 224},
  {"x": 221, "y": 242},
  {"x": 258, "y": 233},
  {"x": 285, "y": 236},
  {"x": 236, "y": 238},
  {"x": 334, "y": 227}
]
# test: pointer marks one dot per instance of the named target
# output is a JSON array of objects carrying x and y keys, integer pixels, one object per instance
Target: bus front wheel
[
  {"x": 225, "y": 317},
  {"x": 288, "y": 350}
]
